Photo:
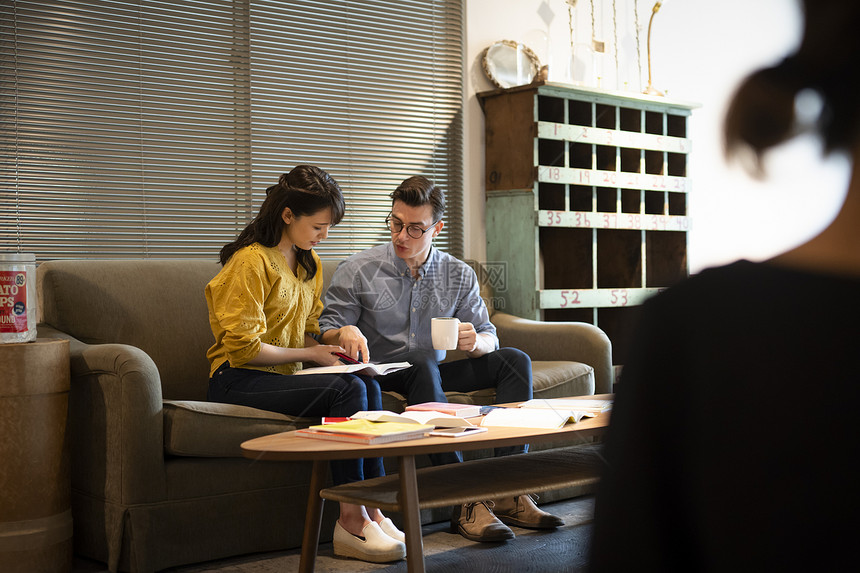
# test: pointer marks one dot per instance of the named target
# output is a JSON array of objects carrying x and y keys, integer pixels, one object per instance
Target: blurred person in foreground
[{"x": 734, "y": 433}]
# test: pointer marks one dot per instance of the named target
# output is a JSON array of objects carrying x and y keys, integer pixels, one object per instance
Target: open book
[
  {"x": 532, "y": 417},
  {"x": 437, "y": 419},
  {"x": 369, "y": 369},
  {"x": 574, "y": 404}
]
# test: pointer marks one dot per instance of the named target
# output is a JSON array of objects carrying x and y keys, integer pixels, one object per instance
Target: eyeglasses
[{"x": 414, "y": 231}]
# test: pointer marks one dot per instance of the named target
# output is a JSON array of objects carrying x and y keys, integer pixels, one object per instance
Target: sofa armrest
[
  {"x": 574, "y": 341},
  {"x": 115, "y": 421}
]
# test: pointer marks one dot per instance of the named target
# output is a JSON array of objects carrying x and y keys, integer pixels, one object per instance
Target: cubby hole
[
  {"x": 551, "y": 152},
  {"x": 666, "y": 252},
  {"x": 581, "y": 198},
  {"x": 569, "y": 315},
  {"x": 580, "y": 155},
  {"x": 579, "y": 113},
  {"x": 676, "y": 164},
  {"x": 676, "y": 125},
  {"x": 607, "y": 200},
  {"x": 619, "y": 323},
  {"x": 605, "y": 116},
  {"x": 550, "y": 109},
  {"x": 606, "y": 157},
  {"x": 654, "y": 202},
  {"x": 654, "y": 123},
  {"x": 567, "y": 254},
  {"x": 678, "y": 204},
  {"x": 551, "y": 196},
  {"x": 631, "y": 119},
  {"x": 619, "y": 258},
  {"x": 630, "y": 159},
  {"x": 630, "y": 199},
  {"x": 653, "y": 162}
]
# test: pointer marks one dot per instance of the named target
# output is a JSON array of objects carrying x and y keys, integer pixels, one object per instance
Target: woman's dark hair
[
  {"x": 418, "y": 191},
  {"x": 762, "y": 112},
  {"x": 305, "y": 190}
]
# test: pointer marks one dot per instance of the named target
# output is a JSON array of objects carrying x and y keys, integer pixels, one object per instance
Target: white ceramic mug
[{"x": 445, "y": 331}]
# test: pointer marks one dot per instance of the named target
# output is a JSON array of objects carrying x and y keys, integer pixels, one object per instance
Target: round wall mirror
[{"x": 508, "y": 64}]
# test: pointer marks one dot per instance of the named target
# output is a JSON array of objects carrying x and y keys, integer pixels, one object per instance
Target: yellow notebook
[
  {"x": 370, "y": 428},
  {"x": 365, "y": 431}
]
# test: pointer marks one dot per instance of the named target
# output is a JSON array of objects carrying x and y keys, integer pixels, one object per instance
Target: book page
[
  {"x": 414, "y": 417},
  {"x": 529, "y": 418},
  {"x": 369, "y": 369},
  {"x": 595, "y": 406}
]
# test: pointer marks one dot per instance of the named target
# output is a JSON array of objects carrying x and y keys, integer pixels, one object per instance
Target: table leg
[
  {"x": 411, "y": 515},
  {"x": 313, "y": 517}
]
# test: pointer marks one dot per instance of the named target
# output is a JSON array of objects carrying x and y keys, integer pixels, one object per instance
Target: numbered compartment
[
  {"x": 580, "y": 112},
  {"x": 631, "y": 201},
  {"x": 605, "y": 116},
  {"x": 666, "y": 253},
  {"x": 567, "y": 258},
  {"x": 619, "y": 259},
  {"x": 607, "y": 199},
  {"x": 551, "y": 152},
  {"x": 551, "y": 109},
  {"x": 581, "y": 198},
  {"x": 551, "y": 196},
  {"x": 619, "y": 323},
  {"x": 678, "y": 204},
  {"x": 655, "y": 202},
  {"x": 581, "y": 155}
]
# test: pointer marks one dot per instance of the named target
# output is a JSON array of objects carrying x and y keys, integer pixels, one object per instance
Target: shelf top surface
[{"x": 561, "y": 89}]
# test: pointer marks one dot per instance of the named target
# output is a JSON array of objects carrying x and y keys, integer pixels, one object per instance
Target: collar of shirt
[{"x": 433, "y": 258}]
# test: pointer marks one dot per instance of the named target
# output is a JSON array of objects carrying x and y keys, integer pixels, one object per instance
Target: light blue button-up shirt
[{"x": 374, "y": 290}]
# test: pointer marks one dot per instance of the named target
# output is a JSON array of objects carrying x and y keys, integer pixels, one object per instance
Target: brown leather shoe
[
  {"x": 475, "y": 521},
  {"x": 522, "y": 512}
]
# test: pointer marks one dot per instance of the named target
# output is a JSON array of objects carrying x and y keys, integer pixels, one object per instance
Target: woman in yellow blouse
[{"x": 264, "y": 308}]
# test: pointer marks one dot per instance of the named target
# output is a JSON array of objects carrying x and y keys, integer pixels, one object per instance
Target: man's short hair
[{"x": 418, "y": 191}]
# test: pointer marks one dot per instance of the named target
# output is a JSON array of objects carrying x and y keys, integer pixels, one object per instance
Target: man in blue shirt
[{"x": 380, "y": 303}]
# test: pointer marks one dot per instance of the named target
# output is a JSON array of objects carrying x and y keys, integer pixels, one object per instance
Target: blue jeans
[
  {"x": 508, "y": 370},
  {"x": 309, "y": 395}
]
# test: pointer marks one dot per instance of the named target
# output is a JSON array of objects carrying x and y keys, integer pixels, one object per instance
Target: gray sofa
[{"x": 158, "y": 479}]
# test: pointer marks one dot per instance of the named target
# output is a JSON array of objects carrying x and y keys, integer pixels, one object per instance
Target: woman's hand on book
[{"x": 323, "y": 354}]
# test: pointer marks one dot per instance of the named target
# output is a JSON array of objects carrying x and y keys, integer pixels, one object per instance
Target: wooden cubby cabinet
[{"x": 586, "y": 202}]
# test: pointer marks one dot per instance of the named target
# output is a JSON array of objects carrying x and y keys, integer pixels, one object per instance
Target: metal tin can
[{"x": 18, "y": 303}]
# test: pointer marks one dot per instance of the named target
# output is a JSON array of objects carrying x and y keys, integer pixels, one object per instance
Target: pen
[{"x": 346, "y": 358}]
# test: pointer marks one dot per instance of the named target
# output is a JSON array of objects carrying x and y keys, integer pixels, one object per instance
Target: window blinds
[{"x": 151, "y": 129}]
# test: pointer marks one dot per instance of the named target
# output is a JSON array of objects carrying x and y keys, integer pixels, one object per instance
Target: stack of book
[
  {"x": 366, "y": 432},
  {"x": 450, "y": 408}
]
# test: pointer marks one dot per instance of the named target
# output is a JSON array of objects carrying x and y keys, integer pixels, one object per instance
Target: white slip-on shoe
[
  {"x": 375, "y": 547},
  {"x": 389, "y": 529}
]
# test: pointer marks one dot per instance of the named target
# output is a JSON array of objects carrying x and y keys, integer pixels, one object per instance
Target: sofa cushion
[
  {"x": 561, "y": 378},
  {"x": 210, "y": 429}
]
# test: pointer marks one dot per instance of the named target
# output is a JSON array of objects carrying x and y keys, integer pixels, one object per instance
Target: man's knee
[
  {"x": 514, "y": 359},
  {"x": 353, "y": 388}
]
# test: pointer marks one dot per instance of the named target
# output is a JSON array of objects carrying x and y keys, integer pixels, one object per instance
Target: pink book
[{"x": 450, "y": 408}]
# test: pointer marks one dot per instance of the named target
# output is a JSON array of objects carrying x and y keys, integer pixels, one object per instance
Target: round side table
[{"x": 35, "y": 483}]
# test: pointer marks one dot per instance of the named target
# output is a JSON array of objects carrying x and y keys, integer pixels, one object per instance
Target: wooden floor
[{"x": 556, "y": 551}]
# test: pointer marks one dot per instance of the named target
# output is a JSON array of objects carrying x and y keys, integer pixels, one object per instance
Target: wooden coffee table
[{"x": 439, "y": 486}]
